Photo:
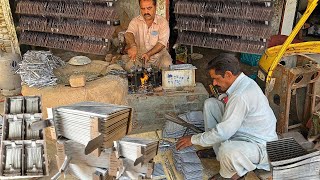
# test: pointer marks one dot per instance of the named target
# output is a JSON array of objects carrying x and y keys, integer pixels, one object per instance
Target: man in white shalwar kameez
[{"x": 238, "y": 129}]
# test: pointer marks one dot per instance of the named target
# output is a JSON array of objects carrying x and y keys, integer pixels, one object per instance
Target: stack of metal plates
[
  {"x": 75, "y": 122},
  {"x": 188, "y": 163},
  {"x": 173, "y": 130},
  {"x": 138, "y": 150},
  {"x": 290, "y": 161},
  {"x": 158, "y": 172},
  {"x": 75, "y": 151}
]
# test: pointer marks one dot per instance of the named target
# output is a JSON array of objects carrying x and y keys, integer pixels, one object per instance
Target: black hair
[
  {"x": 225, "y": 62},
  {"x": 154, "y": 2}
]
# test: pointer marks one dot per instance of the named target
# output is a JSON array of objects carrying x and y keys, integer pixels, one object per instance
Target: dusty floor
[{"x": 211, "y": 165}]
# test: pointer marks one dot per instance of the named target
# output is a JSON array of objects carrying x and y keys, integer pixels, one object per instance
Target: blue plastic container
[{"x": 250, "y": 59}]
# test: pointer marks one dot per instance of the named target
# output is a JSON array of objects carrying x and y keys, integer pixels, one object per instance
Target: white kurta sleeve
[{"x": 234, "y": 115}]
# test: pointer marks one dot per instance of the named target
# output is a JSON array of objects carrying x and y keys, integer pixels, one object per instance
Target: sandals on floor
[
  {"x": 206, "y": 153},
  {"x": 219, "y": 177}
]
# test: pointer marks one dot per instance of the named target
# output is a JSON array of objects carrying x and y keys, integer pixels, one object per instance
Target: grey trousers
[{"x": 235, "y": 157}]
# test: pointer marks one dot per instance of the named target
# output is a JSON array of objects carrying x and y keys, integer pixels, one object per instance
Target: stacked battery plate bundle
[
  {"x": 75, "y": 151},
  {"x": 75, "y": 122},
  {"x": 138, "y": 150},
  {"x": 289, "y": 160},
  {"x": 233, "y": 25},
  {"x": 188, "y": 163},
  {"x": 75, "y": 25}
]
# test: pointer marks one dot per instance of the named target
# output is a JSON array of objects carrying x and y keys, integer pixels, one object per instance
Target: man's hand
[
  {"x": 132, "y": 52},
  {"x": 184, "y": 142},
  {"x": 145, "y": 57}
]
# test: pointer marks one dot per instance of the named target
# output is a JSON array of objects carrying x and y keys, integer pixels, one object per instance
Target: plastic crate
[{"x": 250, "y": 59}]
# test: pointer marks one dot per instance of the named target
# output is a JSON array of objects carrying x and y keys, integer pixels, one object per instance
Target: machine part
[
  {"x": 34, "y": 161},
  {"x": 293, "y": 97},
  {"x": 312, "y": 4},
  {"x": 143, "y": 80},
  {"x": 10, "y": 82},
  {"x": 13, "y": 160}
]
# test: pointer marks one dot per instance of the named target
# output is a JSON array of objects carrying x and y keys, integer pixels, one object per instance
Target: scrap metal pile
[
  {"x": 36, "y": 68},
  {"x": 234, "y": 25},
  {"x": 70, "y": 25},
  {"x": 23, "y": 150}
]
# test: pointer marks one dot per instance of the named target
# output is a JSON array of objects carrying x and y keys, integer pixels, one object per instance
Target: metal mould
[{"x": 22, "y": 104}]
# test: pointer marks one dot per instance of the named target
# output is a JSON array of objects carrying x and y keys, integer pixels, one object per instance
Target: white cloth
[{"x": 239, "y": 130}]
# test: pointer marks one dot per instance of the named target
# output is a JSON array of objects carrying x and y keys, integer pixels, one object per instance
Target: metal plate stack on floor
[
  {"x": 23, "y": 151},
  {"x": 81, "y": 26},
  {"x": 158, "y": 172},
  {"x": 290, "y": 161},
  {"x": 133, "y": 158},
  {"x": 234, "y": 25},
  {"x": 137, "y": 149},
  {"x": 76, "y": 152},
  {"x": 188, "y": 163},
  {"x": 75, "y": 122}
]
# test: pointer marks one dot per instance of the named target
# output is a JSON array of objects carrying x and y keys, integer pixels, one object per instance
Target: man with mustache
[
  {"x": 239, "y": 128},
  {"x": 147, "y": 36}
]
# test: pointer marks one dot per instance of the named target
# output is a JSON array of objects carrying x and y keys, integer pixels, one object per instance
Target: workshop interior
[{"x": 131, "y": 89}]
